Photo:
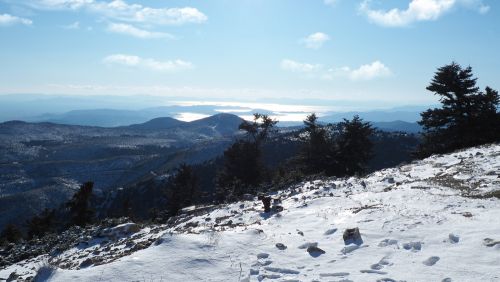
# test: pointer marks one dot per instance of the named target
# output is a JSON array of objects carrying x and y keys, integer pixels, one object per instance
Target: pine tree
[
  {"x": 468, "y": 116},
  {"x": 182, "y": 190},
  {"x": 79, "y": 206},
  {"x": 243, "y": 168},
  {"x": 353, "y": 146},
  {"x": 41, "y": 224},
  {"x": 259, "y": 129},
  {"x": 316, "y": 154},
  {"x": 10, "y": 234}
]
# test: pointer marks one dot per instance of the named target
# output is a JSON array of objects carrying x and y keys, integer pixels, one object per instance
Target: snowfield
[{"x": 432, "y": 220}]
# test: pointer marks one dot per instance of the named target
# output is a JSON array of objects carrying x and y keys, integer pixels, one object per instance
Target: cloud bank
[
  {"x": 121, "y": 10},
  {"x": 6, "y": 20},
  {"x": 146, "y": 63},
  {"x": 418, "y": 11},
  {"x": 131, "y": 30},
  {"x": 369, "y": 71},
  {"x": 315, "y": 40}
]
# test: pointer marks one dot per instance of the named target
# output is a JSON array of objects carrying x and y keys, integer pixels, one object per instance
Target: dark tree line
[
  {"x": 342, "y": 149},
  {"x": 76, "y": 212},
  {"x": 182, "y": 190},
  {"x": 243, "y": 170}
]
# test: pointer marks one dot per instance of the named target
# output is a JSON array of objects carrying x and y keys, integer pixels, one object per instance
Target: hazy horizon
[{"x": 38, "y": 107}]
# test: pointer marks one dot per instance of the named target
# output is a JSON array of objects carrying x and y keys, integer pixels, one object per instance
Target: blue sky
[{"x": 384, "y": 51}]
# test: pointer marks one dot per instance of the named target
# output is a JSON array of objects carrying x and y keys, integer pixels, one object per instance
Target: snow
[{"x": 425, "y": 221}]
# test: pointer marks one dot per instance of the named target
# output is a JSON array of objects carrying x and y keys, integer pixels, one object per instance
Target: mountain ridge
[{"x": 415, "y": 221}]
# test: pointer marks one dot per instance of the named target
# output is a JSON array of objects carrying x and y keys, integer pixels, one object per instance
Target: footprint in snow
[
  {"x": 254, "y": 271},
  {"x": 268, "y": 276},
  {"x": 453, "y": 238},
  {"x": 335, "y": 274},
  {"x": 308, "y": 244},
  {"x": 373, "y": 271},
  {"x": 388, "y": 242},
  {"x": 262, "y": 255},
  {"x": 413, "y": 246},
  {"x": 281, "y": 246},
  {"x": 262, "y": 263},
  {"x": 330, "y": 231},
  {"x": 281, "y": 270},
  {"x": 431, "y": 261},
  {"x": 381, "y": 264}
]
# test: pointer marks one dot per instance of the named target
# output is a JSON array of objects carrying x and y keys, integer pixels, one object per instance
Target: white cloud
[
  {"x": 365, "y": 72},
  {"x": 121, "y": 10},
  {"x": 418, "y": 10},
  {"x": 61, "y": 4},
  {"x": 368, "y": 71},
  {"x": 477, "y": 5},
  {"x": 6, "y": 19},
  {"x": 293, "y": 66},
  {"x": 136, "y": 32},
  {"x": 151, "y": 64},
  {"x": 75, "y": 25},
  {"x": 315, "y": 40}
]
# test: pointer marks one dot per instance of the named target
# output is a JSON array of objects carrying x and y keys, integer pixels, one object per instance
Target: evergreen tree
[
  {"x": 468, "y": 116},
  {"x": 316, "y": 153},
  {"x": 259, "y": 129},
  {"x": 41, "y": 224},
  {"x": 127, "y": 209},
  {"x": 10, "y": 234},
  {"x": 243, "y": 167},
  {"x": 353, "y": 146},
  {"x": 79, "y": 206},
  {"x": 182, "y": 190}
]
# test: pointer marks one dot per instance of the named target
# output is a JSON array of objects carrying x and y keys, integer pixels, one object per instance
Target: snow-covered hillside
[{"x": 432, "y": 220}]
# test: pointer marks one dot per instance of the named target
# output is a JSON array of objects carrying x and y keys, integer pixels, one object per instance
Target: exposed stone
[
  {"x": 352, "y": 236},
  {"x": 281, "y": 246},
  {"x": 315, "y": 251},
  {"x": 266, "y": 201},
  {"x": 12, "y": 277},
  {"x": 86, "y": 263}
]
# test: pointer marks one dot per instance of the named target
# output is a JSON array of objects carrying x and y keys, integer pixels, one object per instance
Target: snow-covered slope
[{"x": 432, "y": 220}]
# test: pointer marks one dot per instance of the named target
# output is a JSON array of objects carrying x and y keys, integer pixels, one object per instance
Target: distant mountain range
[
  {"x": 44, "y": 163},
  {"x": 398, "y": 125},
  {"x": 109, "y": 111},
  {"x": 152, "y": 118}
]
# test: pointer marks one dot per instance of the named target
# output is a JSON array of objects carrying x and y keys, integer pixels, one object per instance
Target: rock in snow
[
  {"x": 405, "y": 238},
  {"x": 352, "y": 236}
]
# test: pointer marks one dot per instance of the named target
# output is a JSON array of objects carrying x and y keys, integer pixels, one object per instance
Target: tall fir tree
[
  {"x": 182, "y": 189},
  {"x": 79, "y": 206},
  {"x": 467, "y": 117},
  {"x": 10, "y": 234},
  {"x": 41, "y": 224},
  {"x": 354, "y": 147},
  {"x": 316, "y": 155},
  {"x": 243, "y": 169}
]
